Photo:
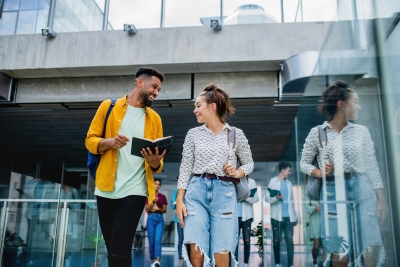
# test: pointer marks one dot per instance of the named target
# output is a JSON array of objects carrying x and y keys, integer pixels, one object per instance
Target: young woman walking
[
  {"x": 350, "y": 232},
  {"x": 206, "y": 202}
]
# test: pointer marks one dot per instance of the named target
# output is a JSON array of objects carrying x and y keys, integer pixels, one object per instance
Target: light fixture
[
  {"x": 130, "y": 28},
  {"x": 49, "y": 33},
  {"x": 215, "y": 25}
]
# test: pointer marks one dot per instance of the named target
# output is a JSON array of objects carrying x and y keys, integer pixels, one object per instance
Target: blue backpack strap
[{"x": 113, "y": 100}]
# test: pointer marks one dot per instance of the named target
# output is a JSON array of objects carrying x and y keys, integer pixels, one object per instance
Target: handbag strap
[
  {"x": 232, "y": 136},
  {"x": 232, "y": 142},
  {"x": 113, "y": 100},
  {"x": 323, "y": 137}
]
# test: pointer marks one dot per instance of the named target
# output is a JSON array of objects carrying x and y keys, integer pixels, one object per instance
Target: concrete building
[{"x": 275, "y": 72}]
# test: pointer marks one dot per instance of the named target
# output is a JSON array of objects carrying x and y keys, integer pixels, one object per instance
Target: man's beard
[{"x": 145, "y": 99}]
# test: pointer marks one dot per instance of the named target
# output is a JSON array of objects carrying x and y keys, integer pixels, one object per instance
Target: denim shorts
[
  {"x": 357, "y": 214},
  {"x": 211, "y": 222}
]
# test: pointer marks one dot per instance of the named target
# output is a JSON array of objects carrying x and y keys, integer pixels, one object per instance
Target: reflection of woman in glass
[
  {"x": 206, "y": 202},
  {"x": 352, "y": 175},
  {"x": 314, "y": 227}
]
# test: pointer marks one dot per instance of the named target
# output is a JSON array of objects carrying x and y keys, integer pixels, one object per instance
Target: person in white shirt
[
  {"x": 245, "y": 218},
  {"x": 351, "y": 176},
  {"x": 206, "y": 201},
  {"x": 283, "y": 215}
]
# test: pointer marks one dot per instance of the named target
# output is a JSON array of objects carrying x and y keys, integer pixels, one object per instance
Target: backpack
[
  {"x": 313, "y": 185},
  {"x": 242, "y": 188},
  {"x": 94, "y": 159}
]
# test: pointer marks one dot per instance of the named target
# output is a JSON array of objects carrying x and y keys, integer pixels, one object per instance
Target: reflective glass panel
[
  {"x": 322, "y": 10},
  {"x": 26, "y": 22},
  {"x": 72, "y": 16},
  {"x": 249, "y": 12},
  {"x": 44, "y": 4},
  {"x": 290, "y": 8},
  {"x": 11, "y": 5},
  {"x": 141, "y": 14},
  {"x": 8, "y": 23},
  {"x": 181, "y": 13},
  {"x": 28, "y": 4},
  {"x": 354, "y": 205},
  {"x": 41, "y": 20}
]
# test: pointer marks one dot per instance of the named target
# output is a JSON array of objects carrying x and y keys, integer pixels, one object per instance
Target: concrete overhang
[
  {"x": 298, "y": 69},
  {"x": 254, "y": 47}
]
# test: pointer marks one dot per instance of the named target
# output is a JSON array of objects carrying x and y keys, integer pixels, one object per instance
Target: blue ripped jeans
[{"x": 211, "y": 222}]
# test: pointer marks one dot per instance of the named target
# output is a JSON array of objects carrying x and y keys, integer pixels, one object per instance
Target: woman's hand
[
  {"x": 231, "y": 171},
  {"x": 181, "y": 211},
  {"x": 329, "y": 170},
  {"x": 381, "y": 209}
]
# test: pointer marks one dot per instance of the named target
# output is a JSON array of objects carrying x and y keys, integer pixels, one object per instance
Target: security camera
[
  {"x": 49, "y": 33},
  {"x": 215, "y": 25},
  {"x": 130, "y": 28}
]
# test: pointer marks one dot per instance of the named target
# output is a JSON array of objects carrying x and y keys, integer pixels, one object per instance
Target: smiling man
[{"x": 124, "y": 181}]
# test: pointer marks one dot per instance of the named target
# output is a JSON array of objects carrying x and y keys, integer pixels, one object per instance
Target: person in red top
[{"x": 155, "y": 224}]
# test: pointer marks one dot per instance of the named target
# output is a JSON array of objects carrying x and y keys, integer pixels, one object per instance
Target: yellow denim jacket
[{"x": 106, "y": 171}]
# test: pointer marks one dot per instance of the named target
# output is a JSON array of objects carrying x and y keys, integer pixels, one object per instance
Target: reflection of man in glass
[
  {"x": 283, "y": 215},
  {"x": 40, "y": 215}
]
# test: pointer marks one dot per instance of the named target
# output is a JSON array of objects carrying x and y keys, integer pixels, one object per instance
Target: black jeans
[
  {"x": 287, "y": 227},
  {"x": 118, "y": 221},
  {"x": 246, "y": 231}
]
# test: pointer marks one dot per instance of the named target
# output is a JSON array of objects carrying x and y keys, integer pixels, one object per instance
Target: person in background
[
  {"x": 178, "y": 226},
  {"x": 245, "y": 218},
  {"x": 314, "y": 228},
  {"x": 155, "y": 223},
  {"x": 283, "y": 215}
]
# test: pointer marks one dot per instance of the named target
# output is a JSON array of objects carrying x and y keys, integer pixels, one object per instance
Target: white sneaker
[
  {"x": 245, "y": 265},
  {"x": 157, "y": 264},
  {"x": 278, "y": 265}
]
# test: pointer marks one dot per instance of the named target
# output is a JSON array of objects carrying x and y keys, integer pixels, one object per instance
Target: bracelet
[{"x": 155, "y": 169}]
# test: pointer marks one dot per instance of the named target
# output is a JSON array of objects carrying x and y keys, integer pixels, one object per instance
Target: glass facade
[
  {"x": 53, "y": 220},
  {"x": 360, "y": 51},
  {"x": 24, "y": 16},
  {"x": 27, "y": 17},
  {"x": 134, "y": 12},
  {"x": 77, "y": 15}
]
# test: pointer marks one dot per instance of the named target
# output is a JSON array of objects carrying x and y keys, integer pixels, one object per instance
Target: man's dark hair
[
  {"x": 284, "y": 165},
  {"x": 158, "y": 180},
  {"x": 149, "y": 72}
]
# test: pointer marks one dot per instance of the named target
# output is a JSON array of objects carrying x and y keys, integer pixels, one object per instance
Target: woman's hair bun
[{"x": 215, "y": 94}]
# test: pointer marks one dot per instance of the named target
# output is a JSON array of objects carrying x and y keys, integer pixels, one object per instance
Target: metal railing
[{"x": 61, "y": 226}]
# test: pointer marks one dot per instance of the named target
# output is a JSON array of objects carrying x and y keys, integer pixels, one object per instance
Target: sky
[{"x": 179, "y": 13}]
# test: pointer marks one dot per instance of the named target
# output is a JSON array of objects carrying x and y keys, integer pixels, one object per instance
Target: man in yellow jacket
[{"x": 124, "y": 181}]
